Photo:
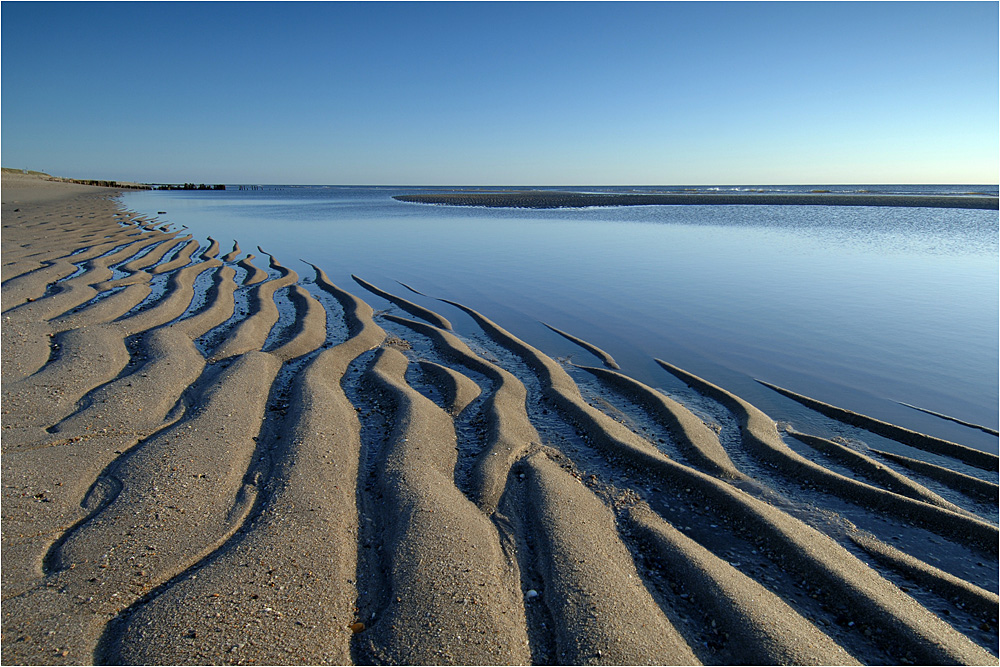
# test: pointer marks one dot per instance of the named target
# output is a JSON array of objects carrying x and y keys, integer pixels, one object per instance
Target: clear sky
[{"x": 505, "y": 93}]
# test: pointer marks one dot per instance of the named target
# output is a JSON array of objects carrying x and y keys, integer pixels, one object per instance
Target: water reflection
[{"x": 878, "y": 303}]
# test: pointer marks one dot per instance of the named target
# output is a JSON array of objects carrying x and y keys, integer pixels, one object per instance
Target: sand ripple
[{"x": 208, "y": 462}]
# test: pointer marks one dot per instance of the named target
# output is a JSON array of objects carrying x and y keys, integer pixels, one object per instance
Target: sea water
[{"x": 862, "y": 307}]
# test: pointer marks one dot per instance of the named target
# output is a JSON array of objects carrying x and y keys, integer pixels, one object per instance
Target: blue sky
[{"x": 503, "y": 93}]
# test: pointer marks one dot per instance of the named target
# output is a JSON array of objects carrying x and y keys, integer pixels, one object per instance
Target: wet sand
[
  {"x": 210, "y": 458},
  {"x": 552, "y": 199}
]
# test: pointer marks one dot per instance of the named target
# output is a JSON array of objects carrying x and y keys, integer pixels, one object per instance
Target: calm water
[{"x": 860, "y": 307}]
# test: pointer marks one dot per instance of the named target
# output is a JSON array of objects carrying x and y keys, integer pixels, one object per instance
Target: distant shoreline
[
  {"x": 101, "y": 183},
  {"x": 551, "y": 199}
]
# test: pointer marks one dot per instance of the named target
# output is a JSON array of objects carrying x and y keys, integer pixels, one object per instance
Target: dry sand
[{"x": 194, "y": 475}]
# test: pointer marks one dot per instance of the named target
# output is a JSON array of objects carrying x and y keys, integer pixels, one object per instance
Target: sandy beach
[{"x": 193, "y": 476}]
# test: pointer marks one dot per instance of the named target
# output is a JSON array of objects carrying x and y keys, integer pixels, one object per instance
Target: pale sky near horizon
[{"x": 503, "y": 93}]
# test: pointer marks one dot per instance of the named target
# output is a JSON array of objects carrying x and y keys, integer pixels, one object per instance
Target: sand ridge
[
  {"x": 555, "y": 199},
  {"x": 195, "y": 475}
]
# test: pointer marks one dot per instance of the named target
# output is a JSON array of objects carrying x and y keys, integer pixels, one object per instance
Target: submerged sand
[{"x": 208, "y": 458}]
